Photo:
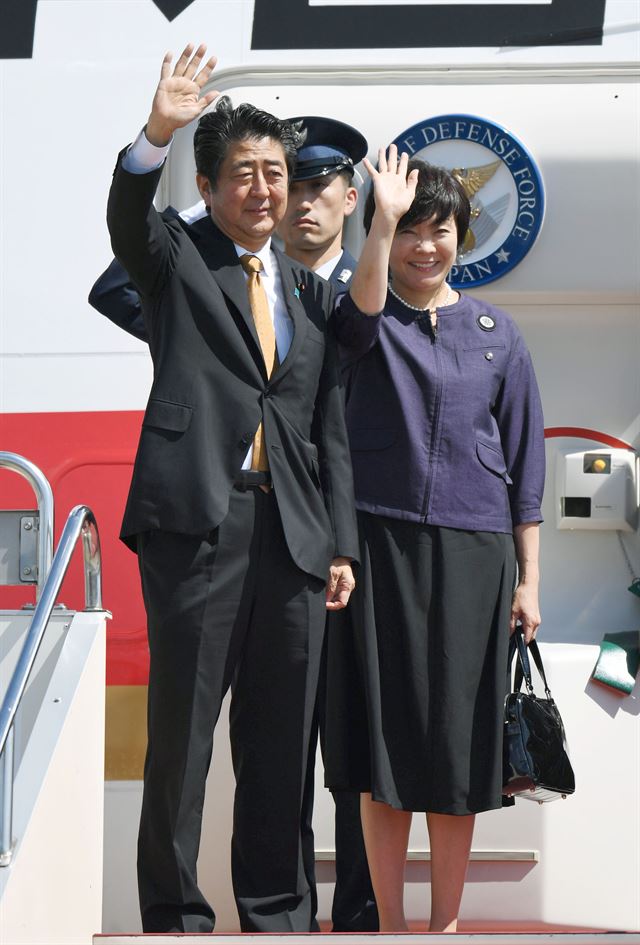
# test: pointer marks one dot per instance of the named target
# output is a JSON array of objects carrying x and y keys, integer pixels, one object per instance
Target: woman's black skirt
[{"x": 416, "y": 686}]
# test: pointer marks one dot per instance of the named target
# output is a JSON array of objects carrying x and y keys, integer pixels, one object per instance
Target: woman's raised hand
[
  {"x": 394, "y": 193},
  {"x": 394, "y": 190},
  {"x": 178, "y": 100}
]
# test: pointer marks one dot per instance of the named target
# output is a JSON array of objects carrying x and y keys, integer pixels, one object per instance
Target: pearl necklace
[{"x": 417, "y": 308}]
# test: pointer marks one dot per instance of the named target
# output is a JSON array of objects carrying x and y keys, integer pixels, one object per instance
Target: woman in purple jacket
[{"x": 446, "y": 434}]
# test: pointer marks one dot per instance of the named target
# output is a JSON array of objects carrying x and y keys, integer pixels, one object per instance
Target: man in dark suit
[
  {"x": 241, "y": 504},
  {"x": 321, "y": 196}
]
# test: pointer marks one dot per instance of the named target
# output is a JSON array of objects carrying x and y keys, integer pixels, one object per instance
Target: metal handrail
[
  {"x": 40, "y": 485},
  {"x": 81, "y": 523}
]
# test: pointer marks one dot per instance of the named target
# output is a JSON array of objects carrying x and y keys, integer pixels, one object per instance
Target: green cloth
[{"x": 619, "y": 661}]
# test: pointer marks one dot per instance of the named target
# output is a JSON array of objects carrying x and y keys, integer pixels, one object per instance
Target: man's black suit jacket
[
  {"x": 114, "y": 295},
  {"x": 210, "y": 390}
]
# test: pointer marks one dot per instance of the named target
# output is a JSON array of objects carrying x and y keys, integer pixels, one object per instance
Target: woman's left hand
[{"x": 524, "y": 608}]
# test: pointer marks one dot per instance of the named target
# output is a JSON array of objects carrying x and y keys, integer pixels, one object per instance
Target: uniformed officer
[{"x": 321, "y": 197}]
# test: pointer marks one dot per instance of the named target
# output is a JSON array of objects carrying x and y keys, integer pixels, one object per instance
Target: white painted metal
[
  {"x": 417, "y": 938},
  {"x": 613, "y": 496},
  {"x": 80, "y": 524},
  {"x": 52, "y": 890},
  {"x": 476, "y": 856}
]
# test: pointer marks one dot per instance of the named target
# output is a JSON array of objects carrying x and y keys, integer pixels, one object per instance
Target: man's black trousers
[{"x": 231, "y": 609}]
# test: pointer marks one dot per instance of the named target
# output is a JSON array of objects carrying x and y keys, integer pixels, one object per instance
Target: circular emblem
[
  {"x": 486, "y": 322},
  {"x": 502, "y": 183}
]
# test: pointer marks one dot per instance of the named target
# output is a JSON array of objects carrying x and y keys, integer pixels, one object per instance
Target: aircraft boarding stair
[{"x": 52, "y": 666}]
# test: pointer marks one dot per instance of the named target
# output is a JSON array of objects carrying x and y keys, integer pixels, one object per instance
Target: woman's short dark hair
[
  {"x": 219, "y": 129},
  {"x": 438, "y": 196}
]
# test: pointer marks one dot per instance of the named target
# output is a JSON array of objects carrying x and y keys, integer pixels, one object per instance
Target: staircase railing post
[{"x": 6, "y": 815}]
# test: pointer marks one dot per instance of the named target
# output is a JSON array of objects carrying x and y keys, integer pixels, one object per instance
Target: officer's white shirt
[{"x": 326, "y": 269}]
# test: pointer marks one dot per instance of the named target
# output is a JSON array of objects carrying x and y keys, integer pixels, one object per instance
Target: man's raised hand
[{"x": 178, "y": 100}]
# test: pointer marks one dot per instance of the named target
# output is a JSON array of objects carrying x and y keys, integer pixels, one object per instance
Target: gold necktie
[{"x": 267, "y": 338}]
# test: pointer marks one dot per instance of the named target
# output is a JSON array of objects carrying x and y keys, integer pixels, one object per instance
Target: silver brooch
[{"x": 486, "y": 322}]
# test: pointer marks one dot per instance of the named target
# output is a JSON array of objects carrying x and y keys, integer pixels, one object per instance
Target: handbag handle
[{"x": 523, "y": 667}]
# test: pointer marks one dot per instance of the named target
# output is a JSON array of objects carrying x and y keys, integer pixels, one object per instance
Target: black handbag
[{"x": 536, "y": 763}]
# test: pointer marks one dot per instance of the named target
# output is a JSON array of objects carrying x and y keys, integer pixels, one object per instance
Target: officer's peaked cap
[{"x": 330, "y": 146}]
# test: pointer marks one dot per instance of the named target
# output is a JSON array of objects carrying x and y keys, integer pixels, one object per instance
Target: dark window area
[
  {"x": 287, "y": 24},
  {"x": 576, "y": 506},
  {"x": 293, "y": 24},
  {"x": 17, "y": 26}
]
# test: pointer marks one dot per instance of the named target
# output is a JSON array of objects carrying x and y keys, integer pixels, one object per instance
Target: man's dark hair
[
  {"x": 348, "y": 174},
  {"x": 438, "y": 196},
  {"x": 219, "y": 129}
]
